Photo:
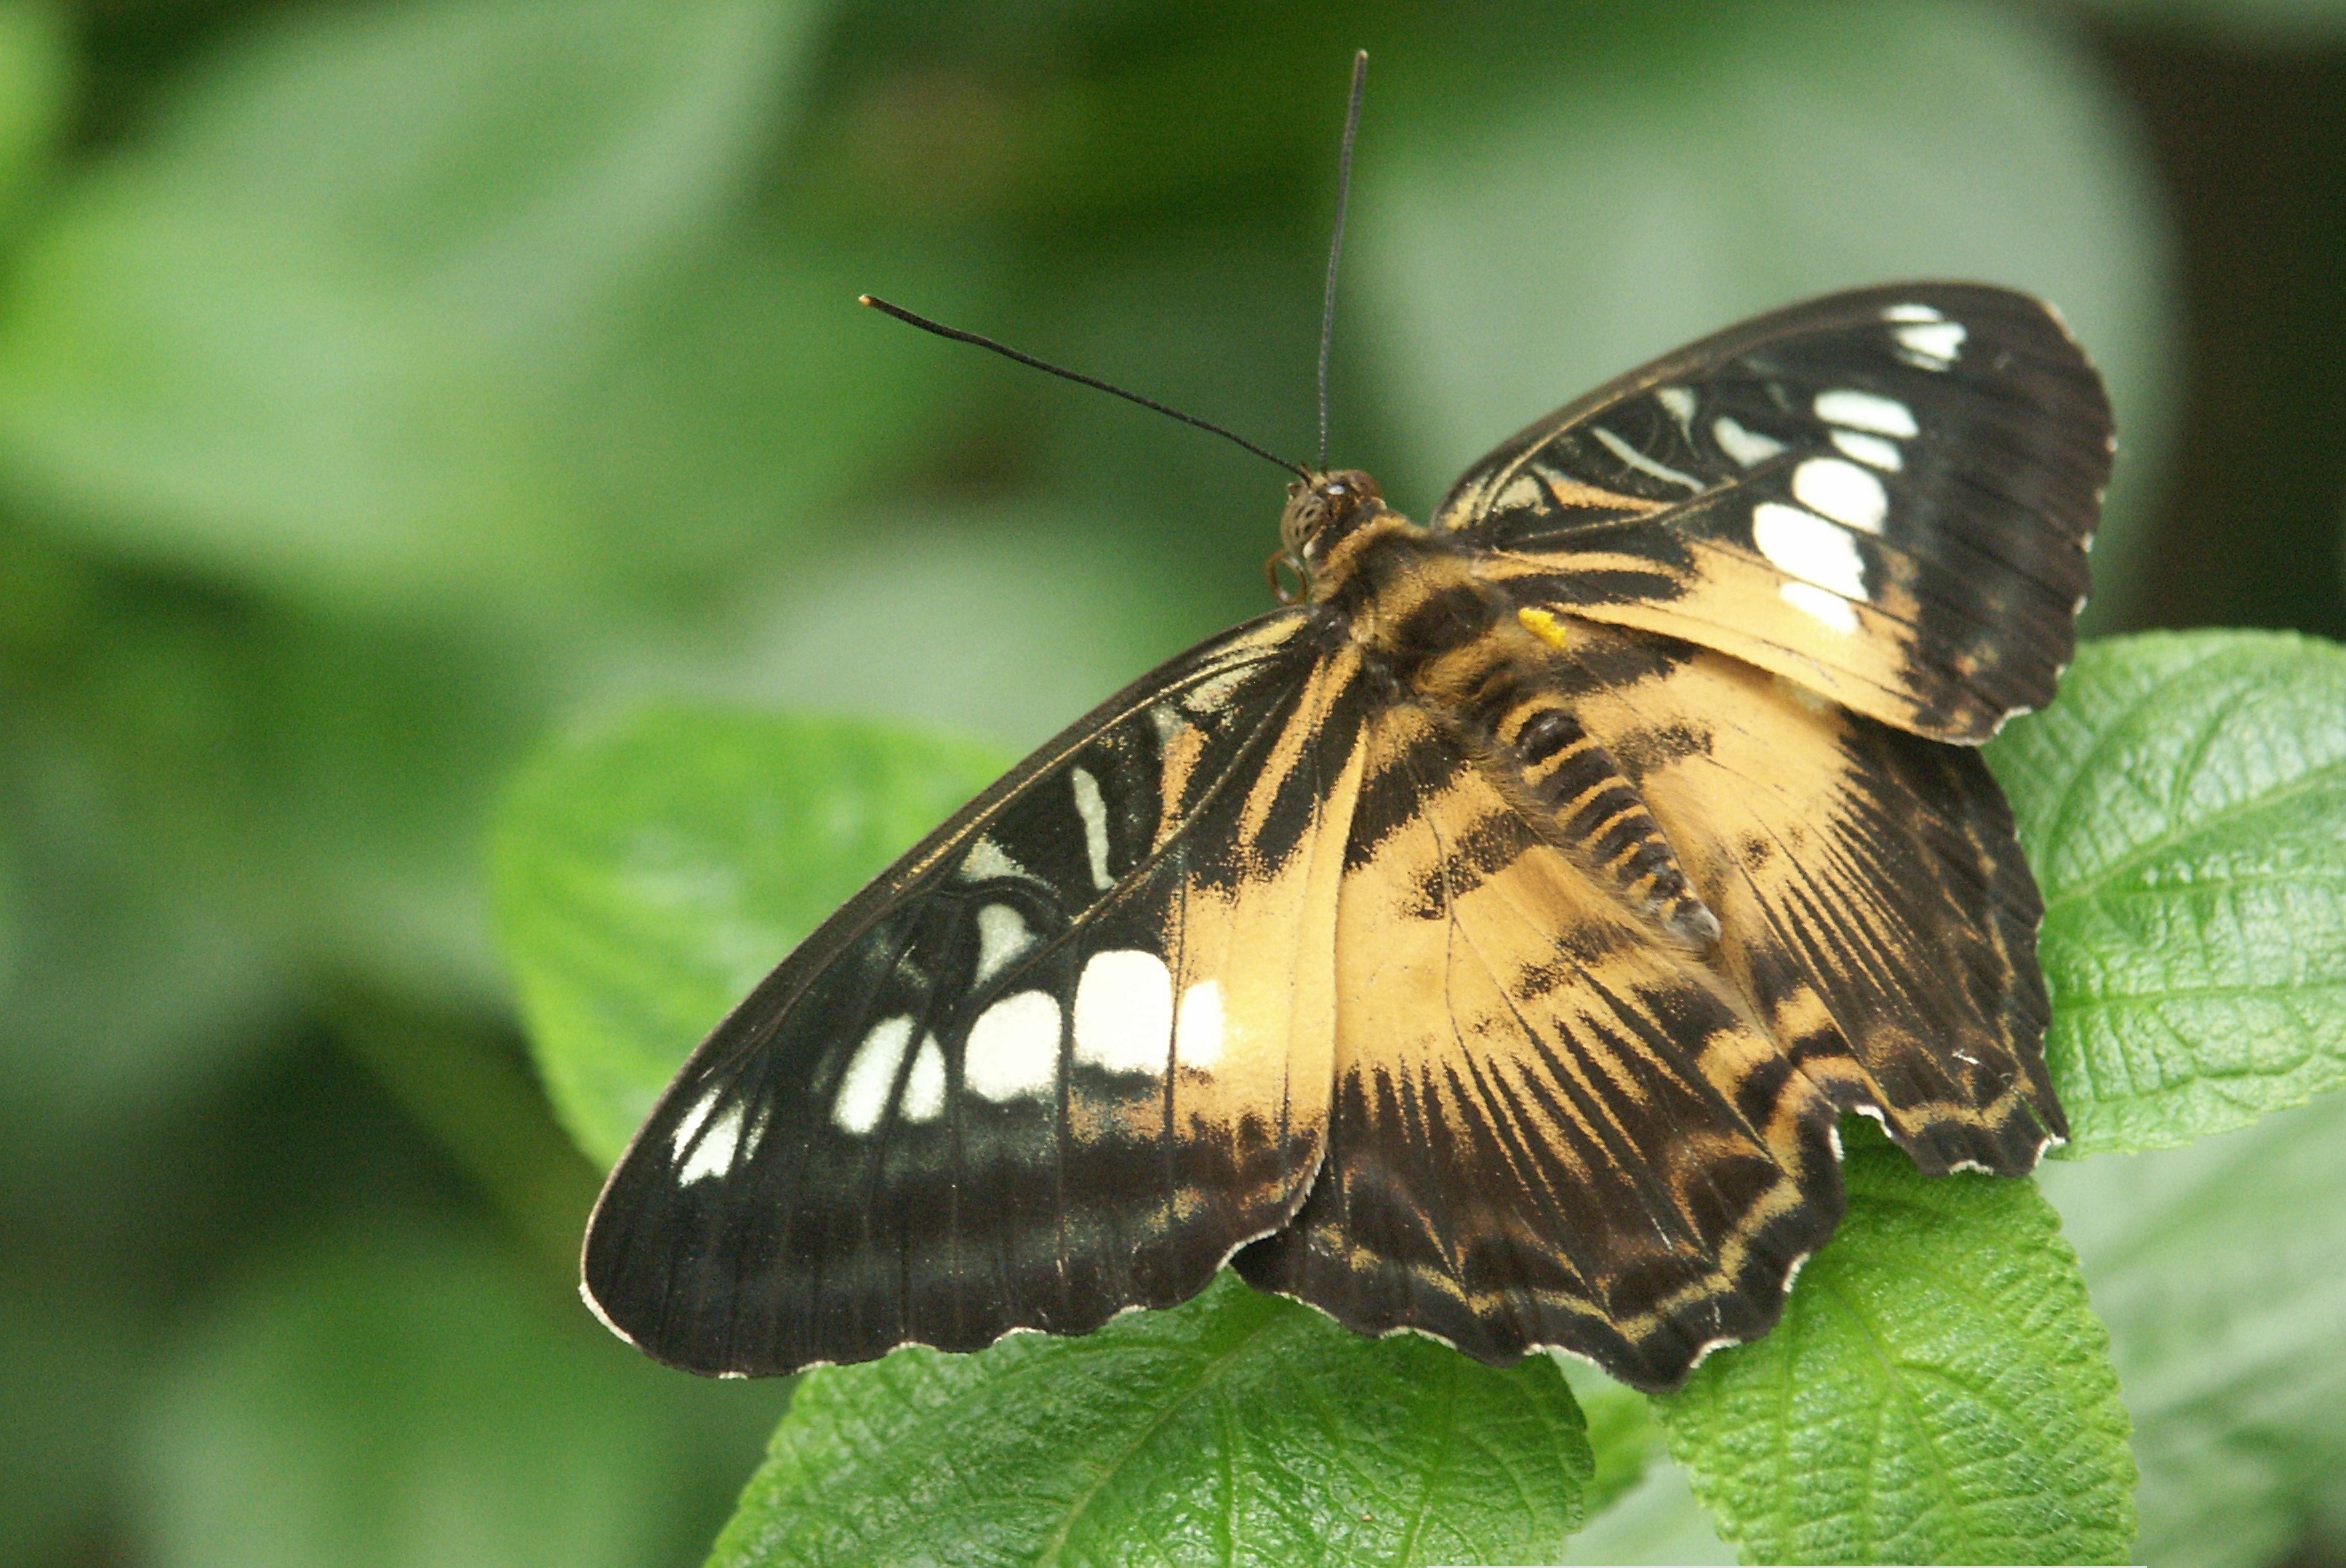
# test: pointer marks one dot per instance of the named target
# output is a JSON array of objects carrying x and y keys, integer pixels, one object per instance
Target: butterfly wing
[
  {"x": 1549, "y": 1128},
  {"x": 1885, "y": 495},
  {"x": 1061, "y": 1060},
  {"x": 1873, "y": 898}
]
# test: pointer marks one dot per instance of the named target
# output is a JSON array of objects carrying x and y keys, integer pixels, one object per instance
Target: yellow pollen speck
[{"x": 1544, "y": 626}]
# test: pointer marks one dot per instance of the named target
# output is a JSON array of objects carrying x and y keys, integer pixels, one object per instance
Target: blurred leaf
[
  {"x": 1655, "y": 1521},
  {"x": 1240, "y": 1428},
  {"x": 1001, "y": 622},
  {"x": 399, "y": 1398},
  {"x": 366, "y": 317},
  {"x": 1938, "y": 1391},
  {"x": 10, "y": 915},
  {"x": 148, "y": 951},
  {"x": 2184, "y": 807},
  {"x": 1623, "y": 1432},
  {"x": 647, "y": 876},
  {"x": 1637, "y": 176},
  {"x": 385, "y": 752},
  {"x": 1639, "y": 1507},
  {"x": 484, "y": 1111},
  {"x": 2272, "y": 24},
  {"x": 2218, "y": 1269},
  {"x": 70, "y": 1370},
  {"x": 36, "y": 82}
]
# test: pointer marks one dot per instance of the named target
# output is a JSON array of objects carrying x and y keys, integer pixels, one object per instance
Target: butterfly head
[{"x": 1322, "y": 512}]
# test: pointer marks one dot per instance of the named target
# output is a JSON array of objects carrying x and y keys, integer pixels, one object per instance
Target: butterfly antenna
[
  {"x": 1007, "y": 352},
  {"x": 1336, "y": 245}
]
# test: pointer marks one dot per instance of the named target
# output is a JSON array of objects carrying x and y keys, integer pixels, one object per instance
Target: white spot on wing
[
  {"x": 1809, "y": 548},
  {"x": 1680, "y": 402},
  {"x": 1882, "y": 454},
  {"x": 1124, "y": 1012},
  {"x": 1842, "y": 491},
  {"x": 1884, "y": 416},
  {"x": 1747, "y": 447},
  {"x": 1197, "y": 1034},
  {"x": 1937, "y": 341},
  {"x": 1913, "y": 313},
  {"x": 1839, "y": 614},
  {"x": 1093, "y": 808},
  {"x": 986, "y": 859},
  {"x": 713, "y": 1155},
  {"x": 871, "y": 1076},
  {"x": 1522, "y": 491},
  {"x": 1014, "y": 1047},
  {"x": 1642, "y": 463},
  {"x": 1002, "y": 936},
  {"x": 924, "y": 1090},
  {"x": 690, "y": 1122}
]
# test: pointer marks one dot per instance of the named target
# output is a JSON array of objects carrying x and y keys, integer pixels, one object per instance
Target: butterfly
[{"x": 1485, "y": 943}]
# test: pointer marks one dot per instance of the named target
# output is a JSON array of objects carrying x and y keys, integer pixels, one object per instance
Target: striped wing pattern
[
  {"x": 1062, "y": 1059},
  {"x": 1540, "y": 1132},
  {"x": 1885, "y": 495},
  {"x": 1485, "y": 947},
  {"x": 1873, "y": 901}
]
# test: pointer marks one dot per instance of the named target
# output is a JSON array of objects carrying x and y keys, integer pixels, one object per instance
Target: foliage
[
  {"x": 437, "y": 448},
  {"x": 1939, "y": 1390}
]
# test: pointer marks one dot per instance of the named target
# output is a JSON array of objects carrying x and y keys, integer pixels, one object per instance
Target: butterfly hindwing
[
  {"x": 1873, "y": 899},
  {"x": 1548, "y": 1128},
  {"x": 1485, "y": 946},
  {"x": 1885, "y": 495},
  {"x": 1061, "y": 1060}
]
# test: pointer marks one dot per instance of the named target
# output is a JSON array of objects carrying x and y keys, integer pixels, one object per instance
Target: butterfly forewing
[
  {"x": 1484, "y": 947},
  {"x": 1061, "y": 1060},
  {"x": 1885, "y": 495}
]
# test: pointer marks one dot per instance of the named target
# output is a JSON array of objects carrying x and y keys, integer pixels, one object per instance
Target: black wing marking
[
  {"x": 1549, "y": 1129},
  {"x": 1885, "y": 495},
  {"x": 1875, "y": 904},
  {"x": 1061, "y": 1060}
]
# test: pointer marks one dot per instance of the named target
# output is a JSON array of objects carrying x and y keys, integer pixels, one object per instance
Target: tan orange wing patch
[{"x": 1549, "y": 1129}]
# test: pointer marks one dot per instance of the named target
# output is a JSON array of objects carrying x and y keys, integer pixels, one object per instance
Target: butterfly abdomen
[{"x": 1503, "y": 682}]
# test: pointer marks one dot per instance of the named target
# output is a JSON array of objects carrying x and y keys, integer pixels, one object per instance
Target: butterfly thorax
[{"x": 1501, "y": 679}]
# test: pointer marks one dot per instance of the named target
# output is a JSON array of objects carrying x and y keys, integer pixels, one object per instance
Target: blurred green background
[{"x": 388, "y": 387}]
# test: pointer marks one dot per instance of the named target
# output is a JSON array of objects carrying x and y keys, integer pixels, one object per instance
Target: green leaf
[
  {"x": 2184, "y": 806},
  {"x": 2218, "y": 1270},
  {"x": 386, "y": 753},
  {"x": 36, "y": 78},
  {"x": 1667, "y": 170},
  {"x": 2268, "y": 24},
  {"x": 404, "y": 1398},
  {"x": 1240, "y": 1428},
  {"x": 72, "y": 1374},
  {"x": 1639, "y": 1507},
  {"x": 1655, "y": 1521},
  {"x": 1002, "y": 622},
  {"x": 371, "y": 313},
  {"x": 1938, "y": 1391},
  {"x": 11, "y": 915},
  {"x": 148, "y": 953},
  {"x": 1623, "y": 1432},
  {"x": 647, "y": 876}
]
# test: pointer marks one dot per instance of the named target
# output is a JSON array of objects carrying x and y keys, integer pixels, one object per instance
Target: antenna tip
[
  {"x": 865, "y": 299},
  {"x": 1360, "y": 57}
]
